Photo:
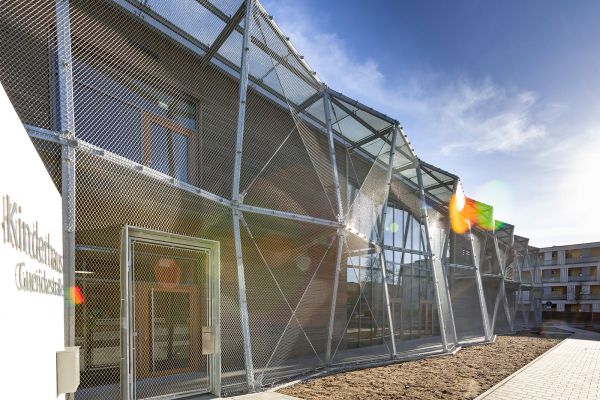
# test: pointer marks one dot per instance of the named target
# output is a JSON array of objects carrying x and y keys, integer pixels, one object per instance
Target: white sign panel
[{"x": 31, "y": 281}]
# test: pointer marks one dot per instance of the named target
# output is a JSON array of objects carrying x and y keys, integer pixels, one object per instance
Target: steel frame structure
[{"x": 431, "y": 185}]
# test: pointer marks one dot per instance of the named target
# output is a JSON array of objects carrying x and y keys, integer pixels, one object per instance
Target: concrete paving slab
[{"x": 570, "y": 370}]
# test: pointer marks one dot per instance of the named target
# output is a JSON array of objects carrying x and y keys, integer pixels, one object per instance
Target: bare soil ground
[{"x": 465, "y": 375}]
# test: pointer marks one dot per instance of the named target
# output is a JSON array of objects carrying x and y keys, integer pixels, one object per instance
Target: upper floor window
[
  {"x": 142, "y": 119},
  {"x": 167, "y": 146}
]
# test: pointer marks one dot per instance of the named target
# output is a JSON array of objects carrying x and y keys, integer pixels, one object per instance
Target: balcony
[
  {"x": 555, "y": 296},
  {"x": 579, "y": 260},
  {"x": 551, "y": 278},
  {"x": 583, "y": 278},
  {"x": 589, "y": 296},
  {"x": 549, "y": 262}
]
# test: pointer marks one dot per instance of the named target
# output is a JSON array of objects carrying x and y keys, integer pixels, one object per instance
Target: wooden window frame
[{"x": 150, "y": 119}]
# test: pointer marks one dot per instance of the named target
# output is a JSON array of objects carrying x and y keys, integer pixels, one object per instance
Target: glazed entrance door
[
  {"x": 172, "y": 335},
  {"x": 170, "y": 315}
]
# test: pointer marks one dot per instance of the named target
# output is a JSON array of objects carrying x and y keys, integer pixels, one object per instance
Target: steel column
[
  {"x": 443, "y": 303},
  {"x": 381, "y": 240},
  {"x": 241, "y": 119},
  {"x": 245, "y": 321},
  {"x": 127, "y": 365},
  {"x": 336, "y": 283},
  {"x": 340, "y": 217},
  {"x": 479, "y": 283},
  {"x": 445, "y": 275},
  {"x": 502, "y": 290},
  {"x": 67, "y": 132}
]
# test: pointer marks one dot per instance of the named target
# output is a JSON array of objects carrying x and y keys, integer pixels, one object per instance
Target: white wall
[{"x": 31, "y": 323}]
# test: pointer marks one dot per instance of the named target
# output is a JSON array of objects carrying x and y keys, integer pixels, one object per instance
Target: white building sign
[{"x": 31, "y": 280}]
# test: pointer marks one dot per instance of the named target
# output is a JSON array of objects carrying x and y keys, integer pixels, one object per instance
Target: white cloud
[
  {"x": 551, "y": 190},
  {"x": 479, "y": 117}
]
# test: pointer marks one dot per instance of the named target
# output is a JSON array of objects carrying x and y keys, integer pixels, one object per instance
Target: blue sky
[{"x": 505, "y": 94}]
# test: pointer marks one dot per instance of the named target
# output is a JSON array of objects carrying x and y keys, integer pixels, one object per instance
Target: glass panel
[
  {"x": 170, "y": 330},
  {"x": 180, "y": 156},
  {"x": 191, "y": 17},
  {"x": 159, "y": 159}
]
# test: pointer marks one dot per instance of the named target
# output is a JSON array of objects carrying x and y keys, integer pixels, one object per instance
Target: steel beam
[
  {"x": 288, "y": 215},
  {"x": 369, "y": 139},
  {"x": 224, "y": 34},
  {"x": 54, "y": 137},
  {"x": 308, "y": 102},
  {"x": 67, "y": 133},
  {"x": 363, "y": 107},
  {"x": 446, "y": 319},
  {"x": 353, "y": 115},
  {"x": 300, "y": 59},
  {"x": 308, "y": 77},
  {"x": 244, "y": 317}
]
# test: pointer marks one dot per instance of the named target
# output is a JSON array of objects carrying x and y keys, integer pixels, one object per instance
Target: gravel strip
[{"x": 465, "y": 375}]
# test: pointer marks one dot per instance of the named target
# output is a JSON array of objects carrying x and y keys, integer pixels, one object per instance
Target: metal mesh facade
[{"x": 199, "y": 118}]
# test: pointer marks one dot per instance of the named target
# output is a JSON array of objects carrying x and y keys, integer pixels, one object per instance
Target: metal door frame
[{"x": 131, "y": 234}]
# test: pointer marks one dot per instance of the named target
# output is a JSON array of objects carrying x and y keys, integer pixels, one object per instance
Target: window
[
  {"x": 167, "y": 146},
  {"x": 148, "y": 122}
]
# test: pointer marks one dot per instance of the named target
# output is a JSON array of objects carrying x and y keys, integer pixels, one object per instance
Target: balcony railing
[
  {"x": 555, "y": 296},
  {"x": 577, "y": 260},
  {"x": 549, "y": 262},
  {"x": 582, "y": 278},
  {"x": 571, "y": 260},
  {"x": 589, "y": 296},
  {"x": 551, "y": 278}
]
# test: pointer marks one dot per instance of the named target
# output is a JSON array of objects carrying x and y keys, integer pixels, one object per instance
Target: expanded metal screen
[{"x": 142, "y": 99}]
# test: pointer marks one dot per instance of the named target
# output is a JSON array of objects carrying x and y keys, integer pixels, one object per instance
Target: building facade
[
  {"x": 570, "y": 281},
  {"x": 230, "y": 220}
]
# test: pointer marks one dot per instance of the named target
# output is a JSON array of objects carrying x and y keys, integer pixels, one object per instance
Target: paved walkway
[{"x": 570, "y": 370}]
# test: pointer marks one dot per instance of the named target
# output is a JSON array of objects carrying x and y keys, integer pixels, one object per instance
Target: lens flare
[
  {"x": 465, "y": 212},
  {"x": 75, "y": 295}
]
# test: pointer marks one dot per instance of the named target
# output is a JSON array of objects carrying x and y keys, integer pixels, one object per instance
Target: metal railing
[
  {"x": 553, "y": 278},
  {"x": 589, "y": 296},
  {"x": 583, "y": 278},
  {"x": 549, "y": 262},
  {"x": 554, "y": 296},
  {"x": 578, "y": 260}
]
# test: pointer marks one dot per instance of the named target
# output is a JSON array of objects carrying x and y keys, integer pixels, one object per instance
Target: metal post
[
  {"x": 243, "y": 302},
  {"x": 336, "y": 282},
  {"x": 439, "y": 283},
  {"x": 480, "y": 292},
  {"x": 67, "y": 129},
  {"x": 381, "y": 240},
  {"x": 241, "y": 118},
  {"x": 496, "y": 305},
  {"x": 236, "y": 197},
  {"x": 340, "y": 216},
  {"x": 332, "y": 157},
  {"x": 445, "y": 275},
  {"x": 127, "y": 388},
  {"x": 502, "y": 291}
]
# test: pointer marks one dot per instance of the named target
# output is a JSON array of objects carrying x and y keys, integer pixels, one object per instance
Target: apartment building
[{"x": 570, "y": 281}]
